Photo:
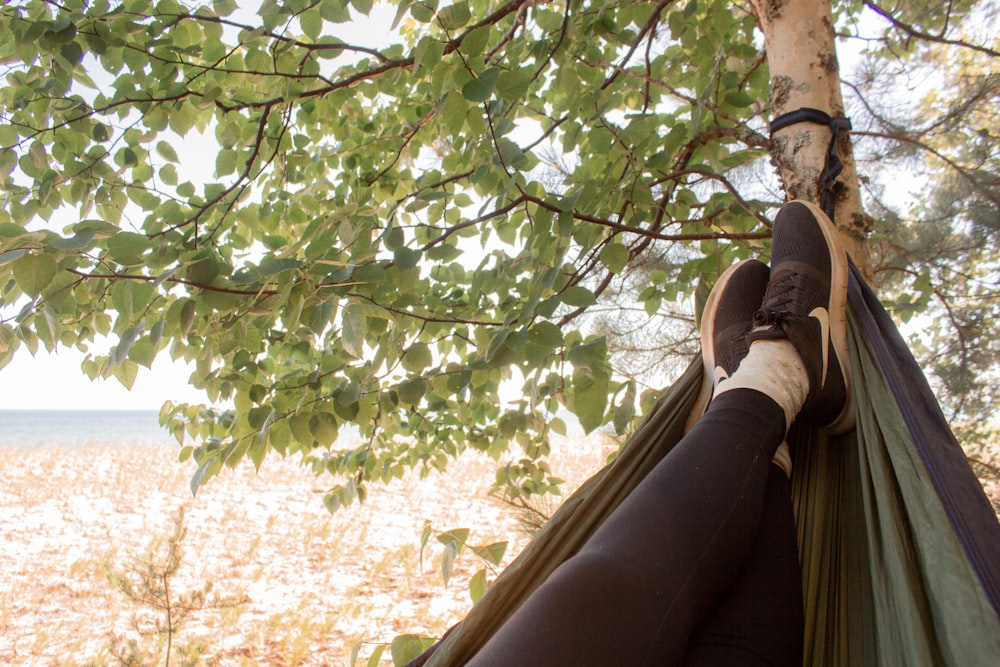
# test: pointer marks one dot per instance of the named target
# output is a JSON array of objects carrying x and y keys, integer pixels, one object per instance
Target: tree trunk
[{"x": 802, "y": 59}]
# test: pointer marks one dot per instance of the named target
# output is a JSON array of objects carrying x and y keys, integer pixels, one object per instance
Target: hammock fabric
[{"x": 900, "y": 548}]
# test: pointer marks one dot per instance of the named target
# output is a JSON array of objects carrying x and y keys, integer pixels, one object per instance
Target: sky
[{"x": 56, "y": 382}]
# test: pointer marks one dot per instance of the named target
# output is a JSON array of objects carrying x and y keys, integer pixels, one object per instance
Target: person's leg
[
  {"x": 649, "y": 575},
  {"x": 760, "y": 621},
  {"x": 639, "y": 588},
  {"x": 641, "y": 584}
]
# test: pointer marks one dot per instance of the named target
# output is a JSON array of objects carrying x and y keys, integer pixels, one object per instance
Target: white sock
[{"x": 774, "y": 368}]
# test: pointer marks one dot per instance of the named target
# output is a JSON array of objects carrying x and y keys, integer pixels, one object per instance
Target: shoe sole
[
  {"x": 845, "y": 421},
  {"x": 708, "y": 345}
]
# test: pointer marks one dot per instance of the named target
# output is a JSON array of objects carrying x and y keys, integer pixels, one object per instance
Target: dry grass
[{"x": 317, "y": 584}]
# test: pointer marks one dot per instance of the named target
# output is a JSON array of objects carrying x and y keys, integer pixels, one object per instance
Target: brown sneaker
[
  {"x": 805, "y": 303},
  {"x": 725, "y": 323}
]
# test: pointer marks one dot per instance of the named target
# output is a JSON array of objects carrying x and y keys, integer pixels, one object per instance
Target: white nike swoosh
[
  {"x": 720, "y": 375},
  {"x": 823, "y": 316}
]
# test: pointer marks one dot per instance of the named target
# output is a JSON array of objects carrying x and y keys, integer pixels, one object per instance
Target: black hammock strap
[{"x": 828, "y": 189}]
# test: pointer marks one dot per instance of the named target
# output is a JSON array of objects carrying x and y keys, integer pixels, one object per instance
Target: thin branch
[
  {"x": 654, "y": 18},
  {"x": 425, "y": 318},
  {"x": 744, "y": 204},
  {"x": 697, "y": 236},
  {"x": 403, "y": 63},
  {"x": 961, "y": 171},
  {"x": 410, "y": 135},
  {"x": 913, "y": 31},
  {"x": 338, "y": 46},
  {"x": 240, "y": 180},
  {"x": 472, "y": 223},
  {"x": 115, "y": 275}
]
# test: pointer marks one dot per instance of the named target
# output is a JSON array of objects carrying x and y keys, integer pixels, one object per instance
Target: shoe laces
[{"x": 781, "y": 291}]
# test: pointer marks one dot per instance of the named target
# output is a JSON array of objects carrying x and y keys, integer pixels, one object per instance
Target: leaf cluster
[{"x": 335, "y": 235}]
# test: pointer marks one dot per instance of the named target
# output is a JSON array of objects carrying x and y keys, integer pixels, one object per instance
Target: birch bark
[{"x": 802, "y": 59}]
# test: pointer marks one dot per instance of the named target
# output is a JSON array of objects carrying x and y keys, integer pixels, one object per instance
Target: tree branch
[
  {"x": 959, "y": 169},
  {"x": 913, "y": 31}
]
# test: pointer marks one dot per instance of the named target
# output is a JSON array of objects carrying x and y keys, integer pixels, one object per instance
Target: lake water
[{"x": 76, "y": 428}]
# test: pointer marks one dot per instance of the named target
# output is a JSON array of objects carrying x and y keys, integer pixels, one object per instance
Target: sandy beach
[
  {"x": 315, "y": 585},
  {"x": 310, "y": 587}
]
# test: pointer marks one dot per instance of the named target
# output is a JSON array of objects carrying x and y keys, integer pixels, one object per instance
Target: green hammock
[{"x": 900, "y": 549}]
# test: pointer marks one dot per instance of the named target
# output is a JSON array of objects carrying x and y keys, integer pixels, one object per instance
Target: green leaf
[
  {"x": 47, "y": 327},
  {"x": 34, "y": 272},
  {"x": 452, "y": 112},
  {"x": 323, "y": 426},
  {"x": 166, "y": 151},
  {"x": 592, "y": 355},
  {"x": 624, "y": 411},
  {"x": 740, "y": 99},
  {"x": 72, "y": 53},
  {"x": 476, "y": 40},
  {"x": 376, "y": 656},
  {"x": 204, "y": 471},
  {"x": 225, "y": 162},
  {"x": 492, "y": 554},
  {"x": 187, "y": 314},
  {"x": 615, "y": 257},
  {"x": 456, "y": 536},
  {"x": 120, "y": 353},
  {"x": 589, "y": 398},
  {"x": 481, "y": 88},
  {"x": 168, "y": 174},
  {"x": 411, "y": 391},
  {"x": 579, "y": 297},
  {"x": 270, "y": 267},
  {"x": 546, "y": 334},
  {"x": 422, "y": 11},
  {"x": 402, "y": 7},
  {"x": 513, "y": 85},
  {"x": 428, "y": 53},
  {"x": 79, "y": 240},
  {"x": 224, "y": 7},
  {"x": 352, "y": 333},
  {"x": 455, "y": 16},
  {"x": 127, "y": 248},
  {"x": 182, "y": 120},
  {"x": 362, "y": 6},
  {"x": 448, "y": 557},
  {"x": 406, "y": 648},
  {"x": 417, "y": 357},
  {"x": 425, "y": 535},
  {"x": 477, "y": 586},
  {"x": 126, "y": 373},
  {"x": 142, "y": 352},
  {"x": 312, "y": 22},
  {"x": 406, "y": 258},
  {"x": 8, "y": 257}
]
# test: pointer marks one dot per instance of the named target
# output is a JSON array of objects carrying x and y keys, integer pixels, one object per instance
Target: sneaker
[
  {"x": 806, "y": 304},
  {"x": 725, "y": 323}
]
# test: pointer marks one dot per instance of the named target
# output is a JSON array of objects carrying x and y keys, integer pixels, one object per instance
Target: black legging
[
  {"x": 759, "y": 622},
  {"x": 697, "y": 566}
]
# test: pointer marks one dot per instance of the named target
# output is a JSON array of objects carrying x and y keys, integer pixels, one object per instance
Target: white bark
[{"x": 802, "y": 59}]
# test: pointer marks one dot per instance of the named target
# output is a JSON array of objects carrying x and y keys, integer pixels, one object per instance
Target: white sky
[{"x": 56, "y": 382}]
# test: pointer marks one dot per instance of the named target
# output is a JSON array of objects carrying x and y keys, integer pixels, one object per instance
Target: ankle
[{"x": 774, "y": 368}]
